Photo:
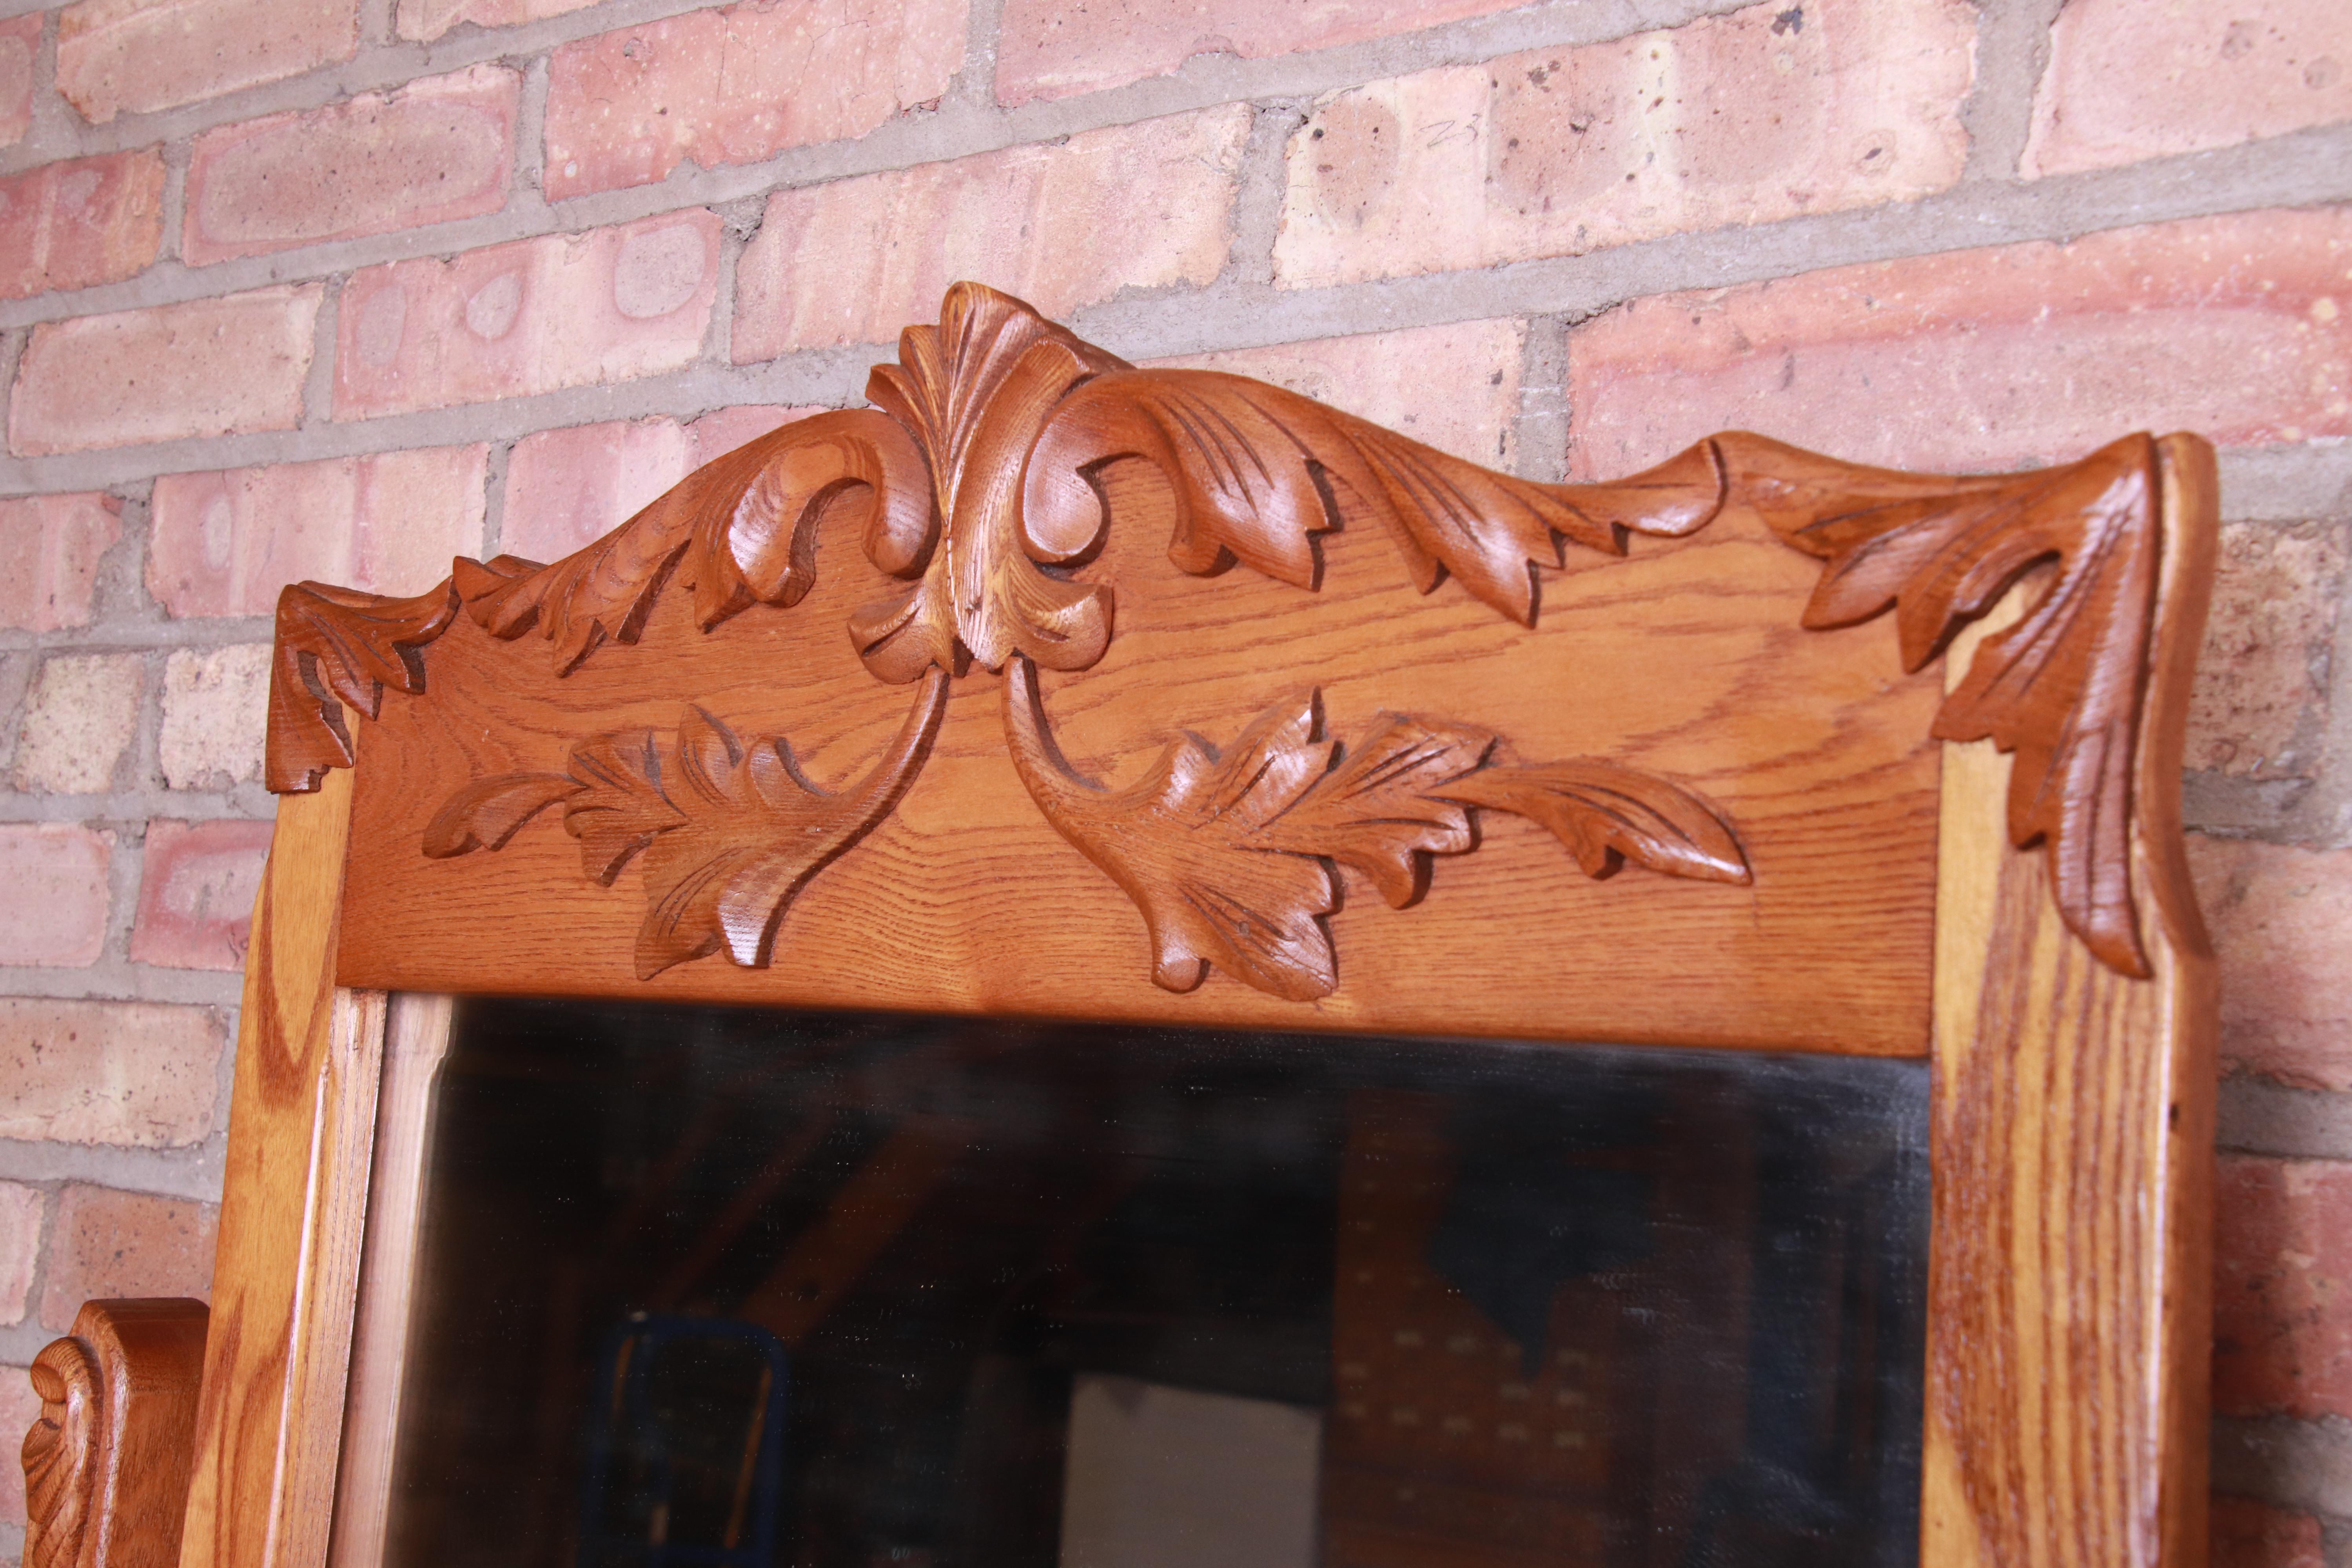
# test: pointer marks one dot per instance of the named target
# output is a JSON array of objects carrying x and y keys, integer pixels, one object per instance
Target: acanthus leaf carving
[
  {"x": 731, "y": 830},
  {"x": 975, "y": 391},
  {"x": 1258, "y": 473},
  {"x": 737, "y": 532},
  {"x": 61, "y": 1455},
  {"x": 338, "y": 646},
  {"x": 2061, "y": 690},
  {"x": 1224, "y": 851}
]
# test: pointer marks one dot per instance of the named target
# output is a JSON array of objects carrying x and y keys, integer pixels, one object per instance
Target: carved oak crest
[{"x": 979, "y": 480}]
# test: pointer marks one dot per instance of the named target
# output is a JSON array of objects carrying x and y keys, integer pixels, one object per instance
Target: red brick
[
  {"x": 435, "y": 150},
  {"x": 568, "y": 487},
  {"x": 1764, "y": 114},
  {"x": 2260, "y": 694},
  {"x": 21, "y": 1208},
  {"x": 739, "y": 85},
  {"x": 141, "y": 55},
  {"x": 208, "y": 367},
  {"x": 20, "y": 40},
  {"x": 50, "y": 550},
  {"x": 138, "y": 1075},
  {"x": 2234, "y": 327},
  {"x": 20, "y": 1408},
  {"x": 514, "y": 320},
  {"x": 198, "y": 881},
  {"x": 1047, "y": 49},
  {"x": 108, "y": 1243},
  {"x": 80, "y": 223},
  {"x": 1144, "y": 206},
  {"x": 1456, "y": 388},
  {"x": 2129, "y": 80},
  {"x": 2282, "y": 921},
  {"x": 2281, "y": 1319},
  {"x": 2248, "y": 1534},
  {"x": 225, "y": 542},
  {"x": 55, "y": 912},
  {"x": 425, "y": 20}
]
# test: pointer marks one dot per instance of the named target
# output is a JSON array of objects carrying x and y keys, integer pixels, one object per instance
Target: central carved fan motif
[{"x": 979, "y": 477}]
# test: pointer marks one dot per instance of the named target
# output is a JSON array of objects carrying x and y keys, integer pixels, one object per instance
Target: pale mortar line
[
  {"x": 2013, "y": 53},
  {"x": 192, "y": 1171},
  {"x": 139, "y": 629},
  {"x": 2279, "y": 1459},
  {"x": 115, "y": 980},
  {"x": 119, "y": 810},
  {"x": 2258, "y": 1117}
]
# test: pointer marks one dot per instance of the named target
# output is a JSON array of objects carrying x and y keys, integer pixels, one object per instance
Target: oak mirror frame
[{"x": 1055, "y": 688}]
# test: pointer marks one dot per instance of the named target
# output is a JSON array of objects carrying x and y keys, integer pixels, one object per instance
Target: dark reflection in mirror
[{"x": 785, "y": 1290}]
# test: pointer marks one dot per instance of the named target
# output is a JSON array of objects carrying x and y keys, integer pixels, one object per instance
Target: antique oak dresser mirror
[{"x": 1114, "y": 967}]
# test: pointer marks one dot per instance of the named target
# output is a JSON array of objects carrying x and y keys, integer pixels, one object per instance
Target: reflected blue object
[{"x": 686, "y": 1458}]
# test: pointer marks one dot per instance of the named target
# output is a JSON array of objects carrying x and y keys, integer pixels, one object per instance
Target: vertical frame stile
[
  {"x": 416, "y": 1040},
  {"x": 302, "y": 1123},
  {"x": 2069, "y": 1327}
]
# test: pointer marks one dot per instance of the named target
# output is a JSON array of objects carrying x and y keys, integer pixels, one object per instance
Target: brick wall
[{"x": 339, "y": 288}]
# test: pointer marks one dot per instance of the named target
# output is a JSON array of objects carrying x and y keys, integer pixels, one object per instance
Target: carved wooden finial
[{"x": 107, "y": 1464}]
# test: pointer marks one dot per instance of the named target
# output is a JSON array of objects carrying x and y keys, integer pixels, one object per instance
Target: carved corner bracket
[
  {"x": 107, "y": 1462},
  {"x": 978, "y": 477}
]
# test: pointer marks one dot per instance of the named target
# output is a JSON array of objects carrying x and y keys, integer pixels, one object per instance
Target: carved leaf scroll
[
  {"x": 61, "y": 1456},
  {"x": 731, "y": 830},
  {"x": 1258, "y": 472},
  {"x": 737, "y": 531},
  {"x": 2061, "y": 688},
  {"x": 338, "y": 646},
  {"x": 1223, "y": 852},
  {"x": 975, "y": 391}
]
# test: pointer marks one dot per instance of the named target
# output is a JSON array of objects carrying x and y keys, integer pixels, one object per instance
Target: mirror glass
[{"x": 751, "y": 1289}]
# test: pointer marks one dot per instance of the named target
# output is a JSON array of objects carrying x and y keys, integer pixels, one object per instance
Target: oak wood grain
[
  {"x": 293, "y": 1215},
  {"x": 105, "y": 1464},
  {"x": 2068, "y": 1318}
]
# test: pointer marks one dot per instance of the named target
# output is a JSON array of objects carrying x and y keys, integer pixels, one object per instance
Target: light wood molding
[{"x": 958, "y": 704}]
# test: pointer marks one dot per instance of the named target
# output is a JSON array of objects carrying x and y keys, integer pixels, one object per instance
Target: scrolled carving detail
[
  {"x": 1224, "y": 851},
  {"x": 61, "y": 1455},
  {"x": 731, "y": 830}
]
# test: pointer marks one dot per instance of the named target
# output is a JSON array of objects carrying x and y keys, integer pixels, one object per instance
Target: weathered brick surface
[
  {"x": 1141, "y": 205},
  {"x": 21, "y": 1210},
  {"x": 2248, "y": 1534},
  {"x": 79, "y": 718},
  {"x": 1764, "y": 114},
  {"x": 532, "y": 317},
  {"x": 225, "y": 542},
  {"x": 138, "y": 54},
  {"x": 1456, "y": 388},
  {"x": 2282, "y": 921},
  {"x": 436, "y": 150},
  {"x": 2129, "y": 80},
  {"x": 2261, "y": 690},
  {"x": 2234, "y": 327},
  {"x": 568, "y": 487},
  {"x": 20, "y": 1408},
  {"x": 1047, "y": 49},
  {"x": 80, "y": 223},
  {"x": 738, "y": 85},
  {"x": 2281, "y": 1327},
  {"x": 50, "y": 547},
  {"x": 428, "y": 19},
  {"x": 138, "y": 1075},
  {"x": 215, "y": 716},
  {"x": 108, "y": 1243},
  {"x": 198, "y": 881},
  {"x": 54, "y": 912},
  {"x": 20, "y": 40},
  {"x": 204, "y": 368}
]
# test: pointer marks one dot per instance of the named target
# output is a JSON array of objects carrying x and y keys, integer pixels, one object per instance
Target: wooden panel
[
  {"x": 292, "y": 1213},
  {"x": 1686, "y": 660},
  {"x": 106, "y": 1465},
  {"x": 2069, "y": 1318},
  {"x": 416, "y": 1040}
]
